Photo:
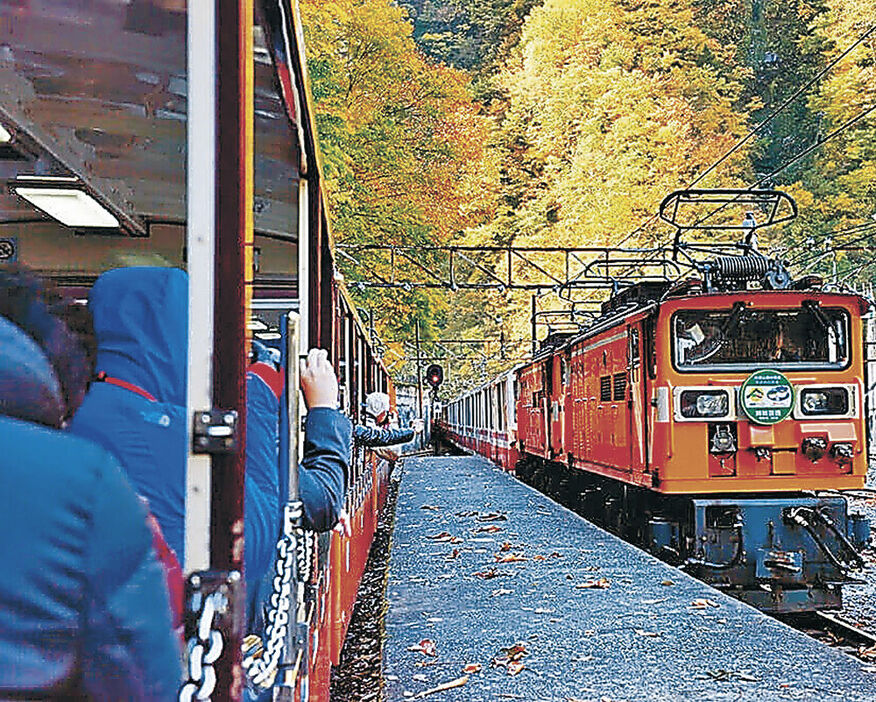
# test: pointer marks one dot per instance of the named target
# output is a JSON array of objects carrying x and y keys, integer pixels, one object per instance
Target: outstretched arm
[
  {"x": 322, "y": 474},
  {"x": 372, "y": 438}
]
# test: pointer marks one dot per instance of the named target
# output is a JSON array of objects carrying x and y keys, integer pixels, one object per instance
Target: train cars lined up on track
[
  {"x": 707, "y": 422},
  {"x": 99, "y": 108}
]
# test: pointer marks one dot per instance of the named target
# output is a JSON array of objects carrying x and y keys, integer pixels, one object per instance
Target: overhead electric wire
[
  {"x": 808, "y": 150},
  {"x": 781, "y": 107},
  {"x": 760, "y": 126},
  {"x": 808, "y": 255},
  {"x": 769, "y": 118}
]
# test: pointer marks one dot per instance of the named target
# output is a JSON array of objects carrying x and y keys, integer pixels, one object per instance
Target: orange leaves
[
  {"x": 553, "y": 554},
  {"x": 511, "y": 658},
  {"x": 487, "y": 574},
  {"x": 491, "y": 529},
  {"x": 510, "y": 558},
  {"x": 444, "y": 537},
  {"x": 867, "y": 653},
  {"x": 703, "y": 604},
  {"x": 471, "y": 668},
  {"x": 426, "y": 647}
]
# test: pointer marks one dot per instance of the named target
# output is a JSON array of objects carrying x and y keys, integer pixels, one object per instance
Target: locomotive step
[{"x": 495, "y": 592}]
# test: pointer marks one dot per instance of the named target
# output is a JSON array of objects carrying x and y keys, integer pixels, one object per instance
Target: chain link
[
  {"x": 261, "y": 671},
  {"x": 204, "y": 649}
]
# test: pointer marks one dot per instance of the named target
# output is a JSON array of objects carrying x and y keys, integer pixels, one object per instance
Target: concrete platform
[{"x": 597, "y": 619}]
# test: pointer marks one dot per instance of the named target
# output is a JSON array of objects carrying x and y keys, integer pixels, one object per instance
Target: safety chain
[
  {"x": 306, "y": 555},
  {"x": 261, "y": 671},
  {"x": 204, "y": 648}
]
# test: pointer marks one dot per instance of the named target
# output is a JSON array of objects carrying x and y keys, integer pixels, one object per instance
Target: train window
[
  {"x": 634, "y": 346},
  {"x": 564, "y": 372},
  {"x": 806, "y": 336},
  {"x": 620, "y": 386},
  {"x": 605, "y": 388}
]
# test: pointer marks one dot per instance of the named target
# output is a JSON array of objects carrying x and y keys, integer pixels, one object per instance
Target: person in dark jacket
[
  {"x": 84, "y": 610},
  {"x": 137, "y": 411},
  {"x": 378, "y": 432}
]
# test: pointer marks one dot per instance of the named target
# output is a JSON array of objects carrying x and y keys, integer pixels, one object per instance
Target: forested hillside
[{"x": 565, "y": 122}]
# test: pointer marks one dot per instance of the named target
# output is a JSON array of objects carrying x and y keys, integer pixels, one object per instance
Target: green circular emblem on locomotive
[{"x": 767, "y": 397}]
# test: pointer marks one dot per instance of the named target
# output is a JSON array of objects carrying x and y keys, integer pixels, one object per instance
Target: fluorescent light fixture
[
  {"x": 5, "y": 136},
  {"x": 71, "y": 206}
]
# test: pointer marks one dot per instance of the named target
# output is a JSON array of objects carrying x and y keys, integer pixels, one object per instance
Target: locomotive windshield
[{"x": 737, "y": 338}]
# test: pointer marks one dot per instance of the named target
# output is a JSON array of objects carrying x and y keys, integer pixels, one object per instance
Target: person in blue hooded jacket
[
  {"x": 136, "y": 410},
  {"x": 84, "y": 611}
]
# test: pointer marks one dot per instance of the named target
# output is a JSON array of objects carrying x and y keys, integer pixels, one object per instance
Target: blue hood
[
  {"x": 29, "y": 387},
  {"x": 141, "y": 325}
]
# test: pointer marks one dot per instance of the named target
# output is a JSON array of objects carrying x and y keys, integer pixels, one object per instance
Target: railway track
[{"x": 830, "y": 628}]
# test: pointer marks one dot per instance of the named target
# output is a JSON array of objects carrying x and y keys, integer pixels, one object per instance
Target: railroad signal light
[{"x": 435, "y": 375}]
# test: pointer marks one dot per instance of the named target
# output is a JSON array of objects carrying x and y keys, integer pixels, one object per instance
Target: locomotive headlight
[
  {"x": 824, "y": 401},
  {"x": 704, "y": 404}
]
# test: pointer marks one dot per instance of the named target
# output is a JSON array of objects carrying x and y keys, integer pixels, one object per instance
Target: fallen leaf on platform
[
  {"x": 505, "y": 546},
  {"x": 867, "y": 653},
  {"x": 440, "y": 536},
  {"x": 453, "y": 554},
  {"x": 426, "y": 647},
  {"x": 425, "y": 664},
  {"x": 472, "y": 668},
  {"x": 492, "y": 517},
  {"x": 487, "y": 574},
  {"x": 500, "y": 591},
  {"x": 515, "y": 667},
  {"x": 459, "y": 682},
  {"x": 538, "y": 557},
  {"x": 652, "y": 634},
  {"x": 600, "y": 584},
  {"x": 433, "y": 508},
  {"x": 467, "y": 514},
  {"x": 703, "y": 604},
  {"x": 722, "y": 675},
  {"x": 510, "y": 558},
  {"x": 515, "y": 652},
  {"x": 491, "y": 529},
  {"x": 667, "y": 583}
]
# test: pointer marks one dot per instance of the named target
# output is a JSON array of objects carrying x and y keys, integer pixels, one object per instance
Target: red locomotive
[{"x": 704, "y": 419}]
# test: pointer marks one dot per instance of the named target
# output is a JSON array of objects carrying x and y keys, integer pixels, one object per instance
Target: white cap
[{"x": 377, "y": 403}]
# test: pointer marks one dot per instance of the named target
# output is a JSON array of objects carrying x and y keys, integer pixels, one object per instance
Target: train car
[
  {"x": 713, "y": 421},
  {"x": 108, "y": 159},
  {"x": 485, "y": 420}
]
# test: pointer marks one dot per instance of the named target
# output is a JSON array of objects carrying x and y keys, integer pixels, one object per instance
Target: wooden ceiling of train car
[{"x": 97, "y": 89}]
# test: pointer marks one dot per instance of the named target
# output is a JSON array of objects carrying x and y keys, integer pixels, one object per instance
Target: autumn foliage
[{"x": 586, "y": 114}]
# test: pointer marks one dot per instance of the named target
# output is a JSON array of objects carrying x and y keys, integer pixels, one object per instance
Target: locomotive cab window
[{"x": 739, "y": 338}]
